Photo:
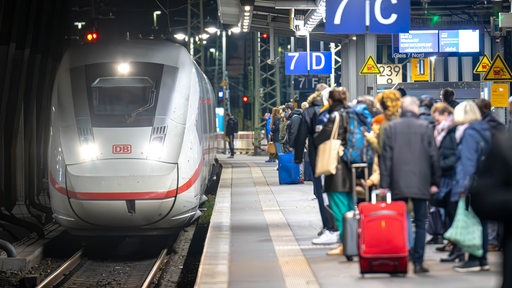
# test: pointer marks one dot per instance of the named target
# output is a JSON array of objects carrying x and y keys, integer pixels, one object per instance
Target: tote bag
[
  {"x": 466, "y": 229},
  {"x": 328, "y": 153},
  {"x": 271, "y": 148}
]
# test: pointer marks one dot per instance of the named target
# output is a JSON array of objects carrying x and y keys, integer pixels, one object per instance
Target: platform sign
[
  {"x": 345, "y": 17},
  {"x": 499, "y": 95},
  {"x": 390, "y": 16},
  {"x": 308, "y": 83},
  {"x": 297, "y": 63},
  {"x": 390, "y": 74},
  {"x": 370, "y": 67},
  {"x": 352, "y": 16},
  {"x": 483, "y": 65},
  {"x": 420, "y": 69},
  {"x": 498, "y": 71}
]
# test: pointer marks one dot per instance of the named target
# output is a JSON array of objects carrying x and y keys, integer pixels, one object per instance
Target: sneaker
[
  {"x": 269, "y": 160},
  {"x": 327, "y": 238},
  {"x": 321, "y": 231},
  {"x": 468, "y": 266},
  {"x": 484, "y": 265},
  {"x": 336, "y": 251}
]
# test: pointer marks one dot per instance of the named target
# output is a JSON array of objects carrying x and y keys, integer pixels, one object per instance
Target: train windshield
[{"x": 120, "y": 94}]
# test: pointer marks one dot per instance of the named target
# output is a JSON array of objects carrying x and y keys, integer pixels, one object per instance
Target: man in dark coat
[
  {"x": 409, "y": 168},
  {"x": 231, "y": 130}
]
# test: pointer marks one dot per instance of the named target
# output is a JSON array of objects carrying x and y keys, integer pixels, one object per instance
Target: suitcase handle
[{"x": 379, "y": 191}]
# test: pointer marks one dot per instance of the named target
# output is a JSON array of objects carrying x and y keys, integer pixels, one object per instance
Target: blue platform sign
[
  {"x": 297, "y": 63},
  {"x": 390, "y": 16},
  {"x": 345, "y": 17},
  {"x": 382, "y": 16}
]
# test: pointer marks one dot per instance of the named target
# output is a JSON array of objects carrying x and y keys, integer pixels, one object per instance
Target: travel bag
[
  {"x": 383, "y": 243},
  {"x": 351, "y": 218},
  {"x": 288, "y": 170}
]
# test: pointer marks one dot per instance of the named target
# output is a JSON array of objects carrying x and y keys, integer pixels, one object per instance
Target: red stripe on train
[{"x": 147, "y": 195}]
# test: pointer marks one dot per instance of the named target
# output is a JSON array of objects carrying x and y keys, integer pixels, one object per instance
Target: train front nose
[{"x": 121, "y": 192}]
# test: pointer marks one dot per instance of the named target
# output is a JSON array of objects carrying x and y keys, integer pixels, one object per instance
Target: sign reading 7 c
[{"x": 382, "y": 16}]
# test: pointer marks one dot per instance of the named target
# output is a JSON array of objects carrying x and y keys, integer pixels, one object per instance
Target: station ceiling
[{"x": 276, "y": 14}]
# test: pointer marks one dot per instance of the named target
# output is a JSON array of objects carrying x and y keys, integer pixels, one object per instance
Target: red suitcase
[{"x": 383, "y": 246}]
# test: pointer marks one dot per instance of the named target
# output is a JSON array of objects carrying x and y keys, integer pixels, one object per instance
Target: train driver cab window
[{"x": 127, "y": 96}]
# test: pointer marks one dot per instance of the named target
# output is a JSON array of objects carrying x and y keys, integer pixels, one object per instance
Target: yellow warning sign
[
  {"x": 499, "y": 95},
  {"x": 370, "y": 67},
  {"x": 498, "y": 71},
  {"x": 483, "y": 65}
]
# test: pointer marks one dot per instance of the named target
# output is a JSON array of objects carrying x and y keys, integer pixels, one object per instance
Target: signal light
[
  {"x": 264, "y": 35},
  {"x": 245, "y": 99},
  {"x": 92, "y": 36}
]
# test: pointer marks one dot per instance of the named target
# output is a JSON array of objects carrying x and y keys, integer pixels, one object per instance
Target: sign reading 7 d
[
  {"x": 298, "y": 63},
  {"x": 382, "y": 16}
]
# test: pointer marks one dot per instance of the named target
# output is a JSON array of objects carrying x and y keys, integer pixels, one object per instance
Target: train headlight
[
  {"x": 89, "y": 151},
  {"x": 123, "y": 68},
  {"x": 156, "y": 147}
]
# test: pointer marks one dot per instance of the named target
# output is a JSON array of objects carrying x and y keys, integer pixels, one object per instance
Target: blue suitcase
[{"x": 288, "y": 170}]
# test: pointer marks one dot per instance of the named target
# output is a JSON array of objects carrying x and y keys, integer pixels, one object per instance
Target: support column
[
  {"x": 453, "y": 69},
  {"x": 349, "y": 65},
  {"x": 439, "y": 69},
  {"x": 370, "y": 48},
  {"x": 467, "y": 68}
]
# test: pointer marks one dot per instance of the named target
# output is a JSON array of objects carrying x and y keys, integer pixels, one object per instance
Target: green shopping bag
[{"x": 466, "y": 229}]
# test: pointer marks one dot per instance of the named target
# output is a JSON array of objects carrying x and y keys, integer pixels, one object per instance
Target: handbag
[
  {"x": 466, "y": 229},
  {"x": 271, "y": 148},
  {"x": 329, "y": 152}
]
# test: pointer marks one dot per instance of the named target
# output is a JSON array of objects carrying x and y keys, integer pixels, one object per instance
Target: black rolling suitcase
[{"x": 351, "y": 218}]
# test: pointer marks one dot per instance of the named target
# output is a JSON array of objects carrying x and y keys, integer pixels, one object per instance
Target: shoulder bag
[{"x": 329, "y": 152}]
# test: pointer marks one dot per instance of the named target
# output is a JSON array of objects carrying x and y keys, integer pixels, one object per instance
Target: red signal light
[
  {"x": 245, "y": 99},
  {"x": 264, "y": 35},
  {"x": 93, "y": 36}
]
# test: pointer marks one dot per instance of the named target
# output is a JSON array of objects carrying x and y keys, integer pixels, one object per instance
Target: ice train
[{"x": 132, "y": 144}]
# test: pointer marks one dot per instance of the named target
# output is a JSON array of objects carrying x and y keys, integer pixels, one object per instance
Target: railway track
[{"x": 79, "y": 271}]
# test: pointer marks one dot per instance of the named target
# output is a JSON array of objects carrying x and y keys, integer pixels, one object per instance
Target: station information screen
[
  {"x": 418, "y": 41},
  {"x": 459, "y": 41}
]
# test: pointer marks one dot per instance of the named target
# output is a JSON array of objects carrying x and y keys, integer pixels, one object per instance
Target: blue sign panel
[
  {"x": 345, "y": 17},
  {"x": 390, "y": 16},
  {"x": 297, "y": 63},
  {"x": 320, "y": 63}
]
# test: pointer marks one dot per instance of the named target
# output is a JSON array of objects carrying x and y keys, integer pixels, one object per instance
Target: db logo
[{"x": 121, "y": 149}]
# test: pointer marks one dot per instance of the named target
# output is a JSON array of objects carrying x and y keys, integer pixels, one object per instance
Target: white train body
[{"x": 132, "y": 138}]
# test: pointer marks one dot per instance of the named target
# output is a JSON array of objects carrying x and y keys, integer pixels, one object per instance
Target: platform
[{"x": 260, "y": 236}]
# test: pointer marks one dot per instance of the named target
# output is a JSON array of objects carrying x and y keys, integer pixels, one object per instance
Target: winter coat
[
  {"x": 409, "y": 162},
  {"x": 473, "y": 146},
  {"x": 231, "y": 126},
  {"x": 275, "y": 129},
  {"x": 307, "y": 132},
  {"x": 340, "y": 181},
  {"x": 453, "y": 103},
  {"x": 293, "y": 125}
]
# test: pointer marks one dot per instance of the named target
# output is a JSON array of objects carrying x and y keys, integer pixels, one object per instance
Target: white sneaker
[{"x": 327, "y": 238}]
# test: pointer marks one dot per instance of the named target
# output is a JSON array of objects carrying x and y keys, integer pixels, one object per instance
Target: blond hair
[{"x": 466, "y": 112}]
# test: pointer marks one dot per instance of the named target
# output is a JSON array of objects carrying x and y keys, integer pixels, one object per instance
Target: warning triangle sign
[
  {"x": 498, "y": 71},
  {"x": 483, "y": 65},
  {"x": 370, "y": 67}
]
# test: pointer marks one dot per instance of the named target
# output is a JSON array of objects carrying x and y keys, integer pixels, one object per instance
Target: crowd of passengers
[{"x": 426, "y": 152}]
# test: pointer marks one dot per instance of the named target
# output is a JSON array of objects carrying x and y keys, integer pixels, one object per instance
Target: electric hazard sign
[
  {"x": 370, "y": 67},
  {"x": 498, "y": 71}
]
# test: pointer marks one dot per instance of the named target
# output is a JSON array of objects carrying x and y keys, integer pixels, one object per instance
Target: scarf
[
  {"x": 459, "y": 131},
  {"x": 442, "y": 128}
]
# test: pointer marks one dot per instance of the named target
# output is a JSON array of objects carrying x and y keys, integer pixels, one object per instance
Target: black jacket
[
  {"x": 293, "y": 125},
  {"x": 307, "y": 131}
]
